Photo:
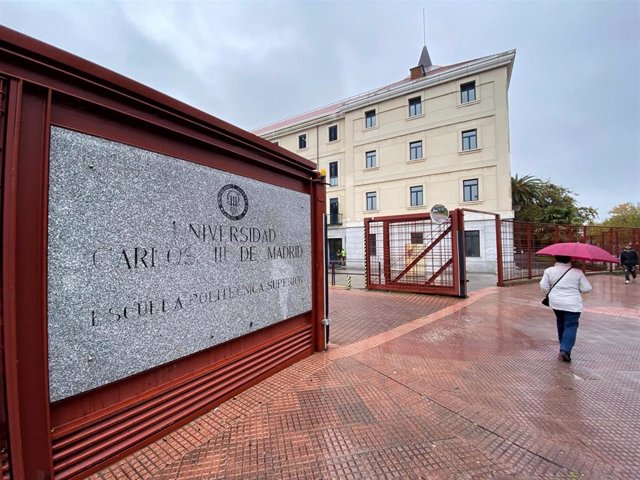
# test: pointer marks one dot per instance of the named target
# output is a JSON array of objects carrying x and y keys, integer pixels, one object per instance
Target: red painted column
[
  {"x": 318, "y": 208},
  {"x": 24, "y": 271},
  {"x": 457, "y": 249},
  {"x": 529, "y": 251},
  {"x": 367, "y": 257},
  {"x": 499, "y": 250},
  {"x": 386, "y": 243}
]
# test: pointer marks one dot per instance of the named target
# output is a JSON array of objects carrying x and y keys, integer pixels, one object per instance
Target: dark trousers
[
  {"x": 567, "y": 323},
  {"x": 629, "y": 270}
]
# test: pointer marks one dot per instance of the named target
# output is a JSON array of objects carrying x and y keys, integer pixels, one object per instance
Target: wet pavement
[
  {"x": 355, "y": 278},
  {"x": 416, "y": 386}
]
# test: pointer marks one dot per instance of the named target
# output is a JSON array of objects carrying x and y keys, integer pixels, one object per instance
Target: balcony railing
[{"x": 334, "y": 219}]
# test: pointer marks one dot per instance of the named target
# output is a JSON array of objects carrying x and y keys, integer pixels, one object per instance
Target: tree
[
  {"x": 525, "y": 191},
  {"x": 550, "y": 203},
  {"x": 624, "y": 215}
]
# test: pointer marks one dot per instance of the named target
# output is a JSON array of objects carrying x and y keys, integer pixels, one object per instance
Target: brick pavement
[{"x": 426, "y": 387}]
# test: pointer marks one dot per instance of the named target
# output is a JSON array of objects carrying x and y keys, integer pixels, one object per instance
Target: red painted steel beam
[
  {"x": 499, "y": 253},
  {"x": 318, "y": 208},
  {"x": 530, "y": 251},
  {"x": 367, "y": 257},
  {"x": 401, "y": 218},
  {"x": 4, "y": 421},
  {"x": 24, "y": 231},
  {"x": 457, "y": 229},
  {"x": 413, "y": 263},
  {"x": 446, "y": 265},
  {"x": 386, "y": 241},
  {"x": 418, "y": 288}
]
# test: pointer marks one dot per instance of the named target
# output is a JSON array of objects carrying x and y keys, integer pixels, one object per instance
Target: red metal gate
[{"x": 413, "y": 253}]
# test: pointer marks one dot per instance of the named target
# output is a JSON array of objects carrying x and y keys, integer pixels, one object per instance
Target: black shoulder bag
[{"x": 545, "y": 300}]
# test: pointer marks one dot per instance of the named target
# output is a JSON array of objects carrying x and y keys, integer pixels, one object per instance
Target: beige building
[{"x": 440, "y": 135}]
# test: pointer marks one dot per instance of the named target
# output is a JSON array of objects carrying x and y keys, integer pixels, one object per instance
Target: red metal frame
[
  {"x": 443, "y": 242},
  {"x": 4, "y": 429},
  {"x": 527, "y": 238},
  {"x": 498, "y": 230},
  {"x": 24, "y": 280},
  {"x": 76, "y": 436}
]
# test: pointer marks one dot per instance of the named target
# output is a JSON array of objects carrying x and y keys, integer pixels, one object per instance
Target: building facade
[{"x": 438, "y": 136}]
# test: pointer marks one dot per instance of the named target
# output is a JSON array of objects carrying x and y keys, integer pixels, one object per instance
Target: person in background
[
  {"x": 566, "y": 300},
  {"x": 629, "y": 261}
]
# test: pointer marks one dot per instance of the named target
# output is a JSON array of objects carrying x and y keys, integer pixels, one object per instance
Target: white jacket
[{"x": 566, "y": 294}]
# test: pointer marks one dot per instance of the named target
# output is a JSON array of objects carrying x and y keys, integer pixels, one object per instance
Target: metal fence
[
  {"x": 505, "y": 248},
  {"x": 520, "y": 241}
]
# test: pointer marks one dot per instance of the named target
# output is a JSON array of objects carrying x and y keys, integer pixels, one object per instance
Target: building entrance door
[{"x": 335, "y": 246}]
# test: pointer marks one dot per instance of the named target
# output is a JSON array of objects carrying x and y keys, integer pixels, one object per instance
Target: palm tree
[{"x": 525, "y": 191}]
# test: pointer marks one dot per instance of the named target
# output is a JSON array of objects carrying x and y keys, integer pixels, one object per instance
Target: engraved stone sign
[{"x": 152, "y": 258}]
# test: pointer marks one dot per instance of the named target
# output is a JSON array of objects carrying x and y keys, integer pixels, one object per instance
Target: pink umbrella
[{"x": 582, "y": 251}]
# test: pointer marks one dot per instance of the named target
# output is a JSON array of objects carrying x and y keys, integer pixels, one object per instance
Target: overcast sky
[{"x": 574, "y": 100}]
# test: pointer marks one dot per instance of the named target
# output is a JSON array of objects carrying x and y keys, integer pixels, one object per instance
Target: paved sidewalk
[
  {"x": 475, "y": 281},
  {"x": 434, "y": 388}
]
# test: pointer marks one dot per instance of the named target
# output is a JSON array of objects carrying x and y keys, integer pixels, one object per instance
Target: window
[
  {"x": 415, "y": 150},
  {"x": 470, "y": 140},
  {"x": 470, "y": 190},
  {"x": 370, "y": 119},
  {"x": 333, "y": 174},
  {"x": 372, "y": 201},
  {"x": 333, "y": 133},
  {"x": 302, "y": 141},
  {"x": 371, "y": 159},
  {"x": 416, "y": 196},
  {"x": 372, "y": 245},
  {"x": 415, "y": 106},
  {"x": 417, "y": 238},
  {"x": 472, "y": 243},
  {"x": 334, "y": 212},
  {"x": 468, "y": 92}
]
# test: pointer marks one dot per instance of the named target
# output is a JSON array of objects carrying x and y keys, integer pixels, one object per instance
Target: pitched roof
[{"x": 343, "y": 105}]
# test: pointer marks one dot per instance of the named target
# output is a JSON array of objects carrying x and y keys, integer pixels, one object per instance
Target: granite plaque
[{"x": 152, "y": 258}]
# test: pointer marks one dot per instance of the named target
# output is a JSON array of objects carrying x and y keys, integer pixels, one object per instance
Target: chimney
[
  {"x": 424, "y": 64},
  {"x": 417, "y": 72}
]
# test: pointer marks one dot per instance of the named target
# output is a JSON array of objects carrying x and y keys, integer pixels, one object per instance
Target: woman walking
[{"x": 564, "y": 285}]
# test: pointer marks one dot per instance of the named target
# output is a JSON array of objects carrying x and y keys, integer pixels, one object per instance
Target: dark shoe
[{"x": 565, "y": 356}]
